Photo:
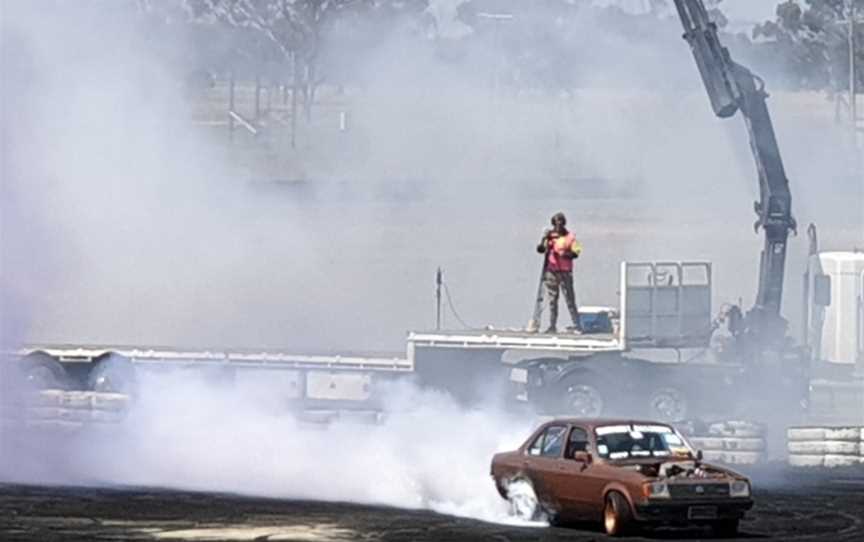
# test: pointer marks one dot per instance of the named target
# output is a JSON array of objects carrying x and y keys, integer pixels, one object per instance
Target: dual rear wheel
[
  {"x": 42, "y": 372},
  {"x": 588, "y": 400},
  {"x": 109, "y": 373}
]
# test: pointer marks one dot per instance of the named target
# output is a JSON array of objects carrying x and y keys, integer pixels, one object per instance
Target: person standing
[{"x": 560, "y": 248}]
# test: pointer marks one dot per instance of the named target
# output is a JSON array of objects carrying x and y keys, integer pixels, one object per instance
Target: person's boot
[
  {"x": 576, "y": 328},
  {"x": 553, "y": 319}
]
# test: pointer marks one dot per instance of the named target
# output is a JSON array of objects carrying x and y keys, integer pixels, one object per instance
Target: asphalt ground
[{"x": 814, "y": 508}]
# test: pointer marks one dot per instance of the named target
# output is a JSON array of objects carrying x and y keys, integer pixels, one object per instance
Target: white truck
[{"x": 833, "y": 330}]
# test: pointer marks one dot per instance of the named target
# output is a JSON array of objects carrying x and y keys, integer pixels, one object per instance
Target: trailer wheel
[
  {"x": 668, "y": 404},
  {"x": 43, "y": 372},
  {"x": 582, "y": 400},
  {"x": 113, "y": 374}
]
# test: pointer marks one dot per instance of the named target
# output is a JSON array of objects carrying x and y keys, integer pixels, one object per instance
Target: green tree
[
  {"x": 293, "y": 28},
  {"x": 810, "y": 40}
]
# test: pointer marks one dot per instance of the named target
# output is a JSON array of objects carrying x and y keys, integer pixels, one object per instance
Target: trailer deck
[
  {"x": 513, "y": 339},
  {"x": 228, "y": 358}
]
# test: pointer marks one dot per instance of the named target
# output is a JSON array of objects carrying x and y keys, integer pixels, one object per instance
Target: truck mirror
[{"x": 822, "y": 290}]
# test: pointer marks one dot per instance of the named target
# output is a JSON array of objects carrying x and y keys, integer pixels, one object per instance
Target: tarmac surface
[{"x": 801, "y": 510}]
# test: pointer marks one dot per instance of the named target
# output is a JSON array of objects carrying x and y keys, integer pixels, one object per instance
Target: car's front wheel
[{"x": 617, "y": 516}]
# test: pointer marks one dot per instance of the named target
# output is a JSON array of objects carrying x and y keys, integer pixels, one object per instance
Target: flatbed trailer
[
  {"x": 441, "y": 359},
  {"x": 218, "y": 358},
  {"x": 663, "y": 311},
  {"x": 311, "y": 380}
]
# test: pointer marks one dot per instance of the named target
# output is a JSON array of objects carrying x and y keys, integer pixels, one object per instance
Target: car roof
[{"x": 597, "y": 422}]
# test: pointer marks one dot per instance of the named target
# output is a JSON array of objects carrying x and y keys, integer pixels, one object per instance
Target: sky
[{"x": 750, "y": 10}]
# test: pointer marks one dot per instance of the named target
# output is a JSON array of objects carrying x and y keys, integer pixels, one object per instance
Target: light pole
[
  {"x": 853, "y": 102},
  {"x": 496, "y": 18}
]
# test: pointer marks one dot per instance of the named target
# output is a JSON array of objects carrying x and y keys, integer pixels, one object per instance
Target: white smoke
[{"x": 184, "y": 433}]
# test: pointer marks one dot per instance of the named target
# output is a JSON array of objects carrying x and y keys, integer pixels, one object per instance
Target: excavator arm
[{"x": 732, "y": 88}]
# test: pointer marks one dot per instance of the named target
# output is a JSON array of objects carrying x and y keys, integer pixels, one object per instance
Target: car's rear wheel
[
  {"x": 523, "y": 500},
  {"x": 728, "y": 528},
  {"x": 617, "y": 516}
]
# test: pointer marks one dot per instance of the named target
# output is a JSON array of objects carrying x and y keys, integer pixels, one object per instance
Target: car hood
[{"x": 674, "y": 468}]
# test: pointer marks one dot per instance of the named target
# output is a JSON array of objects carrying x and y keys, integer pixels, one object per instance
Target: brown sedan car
[{"x": 624, "y": 473}]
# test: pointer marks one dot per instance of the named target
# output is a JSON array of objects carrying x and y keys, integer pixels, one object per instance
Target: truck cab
[
  {"x": 833, "y": 332},
  {"x": 834, "y": 308}
]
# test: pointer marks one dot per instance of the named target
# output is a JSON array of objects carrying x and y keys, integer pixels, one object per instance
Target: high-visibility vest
[{"x": 557, "y": 247}]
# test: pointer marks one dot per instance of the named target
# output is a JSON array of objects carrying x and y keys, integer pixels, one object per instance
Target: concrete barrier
[
  {"x": 62, "y": 410},
  {"x": 825, "y": 446},
  {"x": 734, "y": 442}
]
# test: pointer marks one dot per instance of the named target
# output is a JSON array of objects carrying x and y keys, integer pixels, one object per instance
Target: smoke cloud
[
  {"x": 148, "y": 230},
  {"x": 184, "y": 432},
  {"x": 124, "y": 223}
]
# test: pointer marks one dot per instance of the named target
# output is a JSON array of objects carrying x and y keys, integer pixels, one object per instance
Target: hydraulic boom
[{"x": 731, "y": 87}]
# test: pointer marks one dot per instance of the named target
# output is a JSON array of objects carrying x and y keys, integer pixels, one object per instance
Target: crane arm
[{"x": 732, "y": 88}]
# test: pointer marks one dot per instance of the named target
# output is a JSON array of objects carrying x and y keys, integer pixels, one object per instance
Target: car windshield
[{"x": 626, "y": 441}]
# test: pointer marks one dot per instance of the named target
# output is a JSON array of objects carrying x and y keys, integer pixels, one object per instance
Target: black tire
[
  {"x": 617, "y": 515},
  {"x": 502, "y": 488},
  {"x": 42, "y": 372},
  {"x": 557, "y": 521},
  {"x": 669, "y": 404},
  {"x": 523, "y": 500},
  {"x": 582, "y": 397},
  {"x": 727, "y": 528},
  {"x": 112, "y": 373}
]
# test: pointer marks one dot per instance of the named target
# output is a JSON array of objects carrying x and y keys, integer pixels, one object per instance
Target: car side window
[
  {"x": 537, "y": 445},
  {"x": 577, "y": 442},
  {"x": 553, "y": 442},
  {"x": 548, "y": 443}
]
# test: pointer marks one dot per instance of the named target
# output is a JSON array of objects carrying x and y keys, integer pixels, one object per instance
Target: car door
[
  {"x": 543, "y": 464},
  {"x": 582, "y": 482},
  {"x": 571, "y": 473}
]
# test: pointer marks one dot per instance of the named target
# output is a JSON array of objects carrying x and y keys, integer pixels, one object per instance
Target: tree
[
  {"x": 293, "y": 27},
  {"x": 811, "y": 41},
  {"x": 363, "y": 28}
]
